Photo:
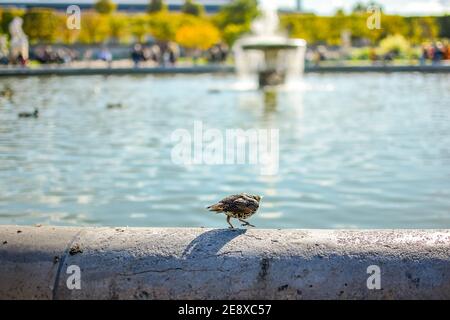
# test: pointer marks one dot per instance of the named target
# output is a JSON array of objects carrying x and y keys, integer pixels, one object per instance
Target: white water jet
[{"x": 266, "y": 56}]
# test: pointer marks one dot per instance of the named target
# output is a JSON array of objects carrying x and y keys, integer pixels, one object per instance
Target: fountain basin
[
  {"x": 274, "y": 44},
  {"x": 276, "y": 58}
]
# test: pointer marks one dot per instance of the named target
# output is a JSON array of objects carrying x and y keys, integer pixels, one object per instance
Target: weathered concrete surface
[{"x": 195, "y": 263}]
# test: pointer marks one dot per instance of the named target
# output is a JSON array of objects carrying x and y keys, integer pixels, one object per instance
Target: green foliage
[
  {"x": 396, "y": 44},
  {"x": 94, "y": 27},
  {"x": 6, "y": 16},
  {"x": 40, "y": 24},
  {"x": 235, "y": 18},
  {"x": 232, "y": 32},
  {"x": 444, "y": 26},
  {"x": 327, "y": 30},
  {"x": 105, "y": 6},
  {"x": 119, "y": 28},
  {"x": 361, "y": 8},
  {"x": 238, "y": 12},
  {"x": 192, "y": 8},
  {"x": 140, "y": 26},
  {"x": 156, "y": 6},
  {"x": 232, "y": 21}
]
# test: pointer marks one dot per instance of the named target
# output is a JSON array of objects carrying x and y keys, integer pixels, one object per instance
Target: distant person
[
  {"x": 174, "y": 53},
  {"x": 373, "y": 57},
  {"x": 447, "y": 51},
  {"x": 214, "y": 54},
  {"x": 424, "y": 54},
  {"x": 196, "y": 56},
  {"x": 170, "y": 55},
  {"x": 146, "y": 54},
  {"x": 438, "y": 54},
  {"x": 155, "y": 52},
  {"x": 166, "y": 58},
  {"x": 136, "y": 54},
  {"x": 430, "y": 52},
  {"x": 105, "y": 55},
  {"x": 224, "y": 52}
]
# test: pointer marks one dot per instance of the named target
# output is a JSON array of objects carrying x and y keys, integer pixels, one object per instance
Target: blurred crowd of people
[
  {"x": 50, "y": 55},
  {"x": 435, "y": 52},
  {"x": 157, "y": 54},
  {"x": 168, "y": 54},
  {"x": 217, "y": 53},
  {"x": 161, "y": 54}
]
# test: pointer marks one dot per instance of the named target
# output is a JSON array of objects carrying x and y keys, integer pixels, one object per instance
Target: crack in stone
[{"x": 171, "y": 269}]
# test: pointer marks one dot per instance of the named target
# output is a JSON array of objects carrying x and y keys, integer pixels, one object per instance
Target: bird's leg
[
  {"x": 228, "y": 220},
  {"x": 246, "y": 223}
]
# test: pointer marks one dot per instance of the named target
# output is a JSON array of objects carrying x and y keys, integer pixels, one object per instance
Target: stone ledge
[
  {"x": 197, "y": 263},
  {"x": 72, "y": 71}
]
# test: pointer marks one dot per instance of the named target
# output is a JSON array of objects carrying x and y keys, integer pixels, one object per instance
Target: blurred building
[{"x": 123, "y": 5}]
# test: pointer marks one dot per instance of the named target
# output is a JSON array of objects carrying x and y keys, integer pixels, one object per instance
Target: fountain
[{"x": 267, "y": 56}]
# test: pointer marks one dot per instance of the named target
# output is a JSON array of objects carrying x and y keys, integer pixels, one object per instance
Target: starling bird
[{"x": 239, "y": 206}]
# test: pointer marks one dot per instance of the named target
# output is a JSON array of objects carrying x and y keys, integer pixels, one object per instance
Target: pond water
[{"x": 355, "y": 151}]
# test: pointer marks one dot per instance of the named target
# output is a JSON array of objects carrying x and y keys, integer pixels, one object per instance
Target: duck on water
[{"x": 33, "y": 114}]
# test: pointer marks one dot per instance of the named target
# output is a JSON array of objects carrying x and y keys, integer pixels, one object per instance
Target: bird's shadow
[{"x": 210, "y": 242}]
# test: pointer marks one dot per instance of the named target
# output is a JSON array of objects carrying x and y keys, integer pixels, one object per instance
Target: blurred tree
[
  {"x": 156, "y": 6},
  {"x": 339, "y": 12},
  {"x": 140, "y": 26},
  {"x": 359, "y": 7},
  {"x": 444, "y": 26},
  {"x": 193, "y": 8},
  {"x": 40, "y": 24},
  {"x": 105, "y": 6},
  {"x": 163, "y": 25},
  {"x": 232, "y": 32},
  {"x": 238, "y": 12},
  {"x": 235, "y": 18},
  {"x": 7, "y": 15},
  {"x": 197, "y": 36},
  {"x": 396, "y": 44},
  {"x": 94, "y": 28},
  {"x": 119, "y": 27},
  {"x": 421, "y": 29}
]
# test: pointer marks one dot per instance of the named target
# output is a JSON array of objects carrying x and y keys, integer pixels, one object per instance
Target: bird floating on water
[
  {"x": 239, "y": 206},
  {"x": 114, "y": 105},
  {"x": 33, "y": 114}
]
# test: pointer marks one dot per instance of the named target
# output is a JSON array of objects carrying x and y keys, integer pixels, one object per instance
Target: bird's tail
[{"x": 215, "y": 207}]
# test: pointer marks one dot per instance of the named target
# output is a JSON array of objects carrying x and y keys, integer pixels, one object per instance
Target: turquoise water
[{"x": 356, "y": 151}]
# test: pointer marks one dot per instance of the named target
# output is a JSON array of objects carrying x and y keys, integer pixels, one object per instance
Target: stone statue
[{"x": 19, "y": 41}]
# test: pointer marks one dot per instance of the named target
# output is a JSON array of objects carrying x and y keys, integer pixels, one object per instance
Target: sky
[{"x": 326, "y": 7}]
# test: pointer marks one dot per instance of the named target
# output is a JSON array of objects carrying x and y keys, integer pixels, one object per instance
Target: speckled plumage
[{"x": 239, "y": 206}]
